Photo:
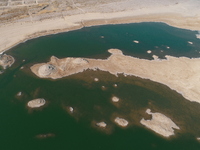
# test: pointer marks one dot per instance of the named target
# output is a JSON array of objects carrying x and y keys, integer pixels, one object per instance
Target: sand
[
  {"x": 149, "y": 51},
  {"x": 178, "y": 13},
  {"x": 101, "y": 124},
  {"x": 71, "y": 109},
  {"x": 121, "y": 122},
  {"x": 182, "y": 77},
  {"x": 96, "y": 79},
  {"x": 160, "y": 124},
  {"x": 36, "y": 103},
  {"x": 115, "y": 99}
]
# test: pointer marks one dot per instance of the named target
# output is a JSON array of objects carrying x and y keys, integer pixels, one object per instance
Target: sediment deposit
[
  {"x": 160, "y": 124},
  {"x": 180, "y": 74}
]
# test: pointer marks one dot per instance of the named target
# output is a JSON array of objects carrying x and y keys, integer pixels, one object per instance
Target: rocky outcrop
[
  {"x": 46, "y": 70},
  {"x": 6, "y": 60}
]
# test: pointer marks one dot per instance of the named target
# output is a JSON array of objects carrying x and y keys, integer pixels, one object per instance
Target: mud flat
[
  {"x": 180, "y": 74},
  {"x": 36, "y": 103},
  {"x": 160, "y": 124}
]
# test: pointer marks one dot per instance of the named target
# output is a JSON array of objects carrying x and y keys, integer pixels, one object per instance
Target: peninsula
[{"x": 182, "y": 77}]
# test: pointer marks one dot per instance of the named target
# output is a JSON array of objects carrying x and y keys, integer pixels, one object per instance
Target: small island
[
  {"x": 36, "y": 103},
  {"x": 160, "y": 124},
  {"x": 6, "y": 61},
  {"x": 121, "y": 122}
]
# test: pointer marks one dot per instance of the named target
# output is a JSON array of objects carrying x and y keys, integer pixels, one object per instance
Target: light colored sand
[
  {"x": 178, "y": 13},
  {"x": 71, "y": 109},
  {"x": 190, "y": 42},
  {"x": 149, "y": 51},
  {"x": 115, "y": 99},
  {"x": 121, "y": 122},
  {"x": 101, "y": 124},
  {"x": 135, "y": 41},
  {"x": 182, "y": 77},
  {"x": 96, "y": 79},
  {"x": 160, "y": 124},
  {"x": 36, "y": 103}
]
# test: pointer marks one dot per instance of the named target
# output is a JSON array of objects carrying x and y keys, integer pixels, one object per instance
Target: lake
[{"x": 54, "y": 127}]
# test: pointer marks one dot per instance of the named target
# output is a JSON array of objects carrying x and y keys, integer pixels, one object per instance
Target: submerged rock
[
  {"x": 121, "y": 122},
  {"x": 115, "y": 85},
  {"x": 19, "y": 94},
  {"x": 43, "y": 136},
  {"x": 6, "y": 60},
  {"x": 36, "y": 103}
]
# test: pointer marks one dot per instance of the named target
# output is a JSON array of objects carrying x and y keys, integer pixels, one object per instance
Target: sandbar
[{"x": 160, "y": 124}]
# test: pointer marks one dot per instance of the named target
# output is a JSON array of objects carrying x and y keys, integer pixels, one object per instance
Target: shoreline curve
[{"x": 13, "y": 33}]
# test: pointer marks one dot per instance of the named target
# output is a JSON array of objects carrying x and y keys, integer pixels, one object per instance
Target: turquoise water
[{"x": 22, "y": 128}]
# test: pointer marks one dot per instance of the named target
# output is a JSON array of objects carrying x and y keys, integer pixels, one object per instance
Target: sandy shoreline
[{"x": 177, "y": 15}]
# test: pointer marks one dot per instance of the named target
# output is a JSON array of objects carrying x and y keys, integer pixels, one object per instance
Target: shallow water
[{"x": 24, "y": 128}]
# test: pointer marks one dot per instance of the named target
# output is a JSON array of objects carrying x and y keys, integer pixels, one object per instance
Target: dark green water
[{"x": 20, "y": 127}]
